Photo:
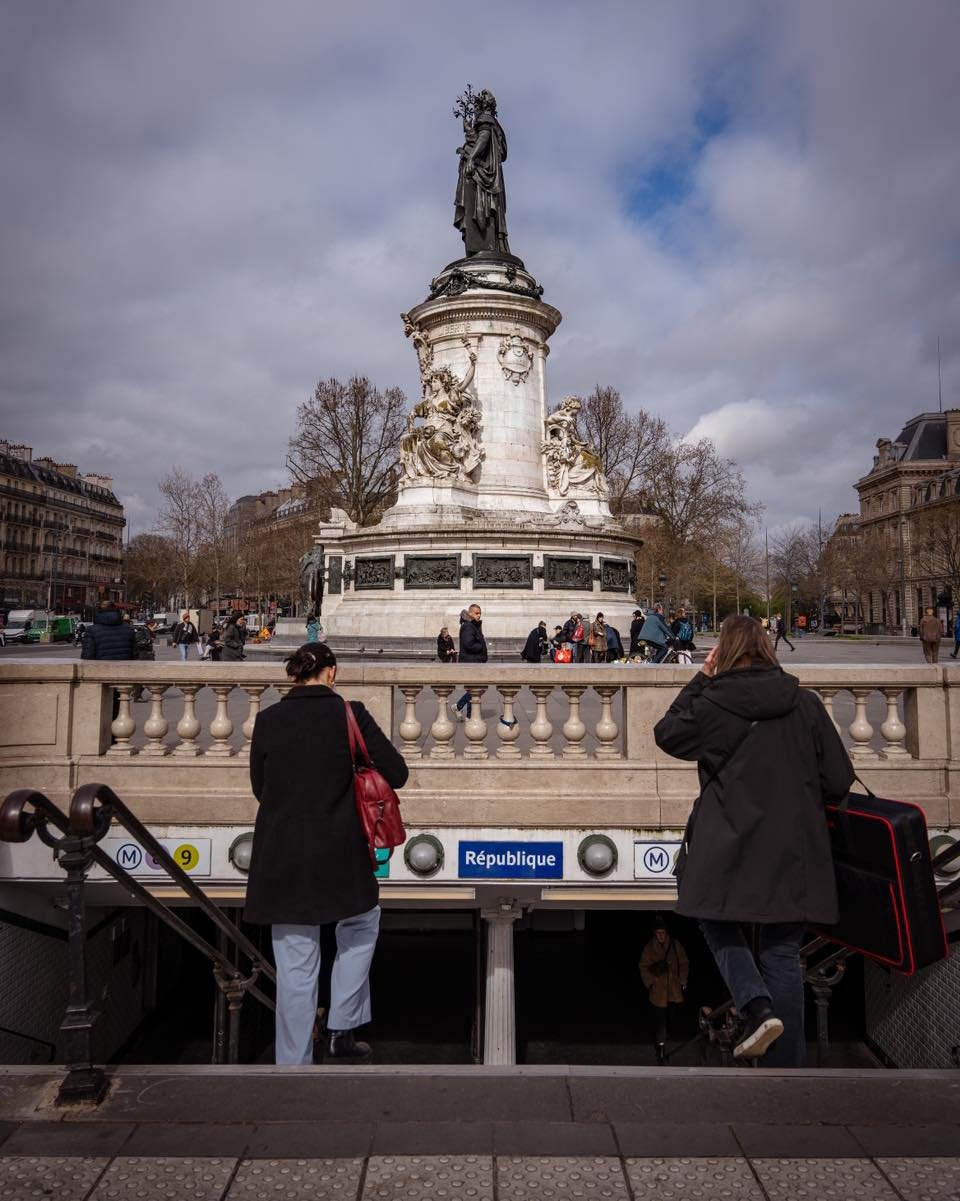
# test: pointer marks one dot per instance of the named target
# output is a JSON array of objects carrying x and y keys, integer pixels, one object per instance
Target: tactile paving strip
[
  {"x": 822, "y": 1180},
  {"x": 429, "y": 1177},
  {"x": 706, "y": 1179},
  {"x": 560, "y": 1179},
  {"x": 141, "y": 1179},
  {"x": 293, "y": 1179},
  {"x": 931, "y": 1179},
  {"x": 23, "y": 1178}
]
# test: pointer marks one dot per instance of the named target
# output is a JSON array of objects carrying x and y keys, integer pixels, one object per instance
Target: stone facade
[
  {"x": 915, "y": 475},
  {"x": 61, "y": 534}
]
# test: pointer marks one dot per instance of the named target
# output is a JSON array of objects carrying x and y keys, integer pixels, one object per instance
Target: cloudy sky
[{"x": 748, "y": 214}]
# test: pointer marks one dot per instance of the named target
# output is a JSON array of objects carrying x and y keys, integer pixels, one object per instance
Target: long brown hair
[{"x": 742, "y": 641}]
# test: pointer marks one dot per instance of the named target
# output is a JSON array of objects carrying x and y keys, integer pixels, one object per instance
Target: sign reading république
[{"x": 511, "y": 860}]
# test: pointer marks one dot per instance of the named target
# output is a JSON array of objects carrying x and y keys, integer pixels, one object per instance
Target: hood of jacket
[
  {"x": 107, "y": 617},
  {"x": 754, "y": 693},
  {"x": 464, "y": 615}
]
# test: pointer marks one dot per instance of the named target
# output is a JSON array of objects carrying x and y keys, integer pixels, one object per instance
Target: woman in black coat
[
  {"x": 757, "y": 841},
  {"x": 311, "y": 863}
]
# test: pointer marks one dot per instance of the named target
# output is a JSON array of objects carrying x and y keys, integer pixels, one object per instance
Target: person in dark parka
[
  {"x": 758, "y": 845},
  {"x": 109, "y": 637},
  {"x": 473, "y": 649},
  {"x": 310, "y": 862}
]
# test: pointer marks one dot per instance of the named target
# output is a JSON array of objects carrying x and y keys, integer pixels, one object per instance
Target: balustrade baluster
[
  {"x": 410, "y": 727},
  {"x": 475, "y": 728},
  {"x": 221, "y": 727},
  {"x": 861, "y": 731},
  {"x": 156, "y": 725},
  {"x": 893, "y": 729},
  {"x": 508, "y": 728},
  {"x": 443, "y": 728},
  {"x": 188, "y": 727},
  {"x": 254, "y": 692},
  {"x": 827, "y": 695},
  {"x": 123, "y": 725},
  {"x": 573, "y": 728},
  {"x": 541, "y": 731},
  {"x": 283, "y": 689},
  {"x": 606, "y": 728}
]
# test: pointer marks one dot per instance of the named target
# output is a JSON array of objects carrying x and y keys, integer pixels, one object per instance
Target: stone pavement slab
[
  {"x": 569, "y": 1179},
  {"x": 68, "y": 1138},
  {"x": 297, "y": 1180},
  {"x": 189, "y": 1139},
  {"x": 554, "y": 1138},
  {"x": 905, "y": 1141},
  {"x": 660, "y": 1140},
  {"x": 336, "y": 1094},
  {"x": 816, "y": 1179},
  {"x": 934, "y": 1179},
  {"x": 150, "y": 1179},
  {"x": 423, "y": 1178},
  {"x": 702, "y": 1179},
  {"x": 795, "y": 1142},
  {"x": 65, "y": 1179},
  {"x": 311, "y": 1140},
  {"x": 433, "y": 1138}
]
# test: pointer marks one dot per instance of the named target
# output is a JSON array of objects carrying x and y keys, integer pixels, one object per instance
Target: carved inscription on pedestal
[
  {"x": 432, "y": 571},
  {"x": 567, "y": 573},
  {"x": 614, "y": 575},
  {"x": 374, "y": 572},
  {"x": 503, "y": 571}
]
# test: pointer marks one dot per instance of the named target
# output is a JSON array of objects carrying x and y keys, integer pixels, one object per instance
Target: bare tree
[
  {"x": 179, "y": 522},
  {"x": 347, "y": 446},
  {"x": 152, "y": 574},
  {"x": 628, "y": 443},
  {"x": 695, "y": 493},
  {"x": 935, "y": 540},
  {"x": 212, "y": 504}
]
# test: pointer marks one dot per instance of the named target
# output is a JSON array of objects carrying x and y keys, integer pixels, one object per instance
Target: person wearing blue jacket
[
  {"x": 656, "y": 631},
  {"x": 956, "y": 636}
]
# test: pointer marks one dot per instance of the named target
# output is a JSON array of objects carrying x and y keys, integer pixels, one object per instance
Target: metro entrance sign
[
  {"x": 192, "y": 854},
  {"x": 511, "y": 860},
  {"x": 654, "y": 860}
]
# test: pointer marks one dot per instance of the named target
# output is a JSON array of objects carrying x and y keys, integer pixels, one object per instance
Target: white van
[{"x": 19, "y": 621}]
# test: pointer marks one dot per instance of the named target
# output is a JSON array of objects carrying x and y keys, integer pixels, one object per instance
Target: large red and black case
[{"x": 887, "y": 893}]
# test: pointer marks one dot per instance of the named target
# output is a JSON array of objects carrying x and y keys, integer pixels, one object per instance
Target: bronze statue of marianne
[{"x": 480, "y": 206}]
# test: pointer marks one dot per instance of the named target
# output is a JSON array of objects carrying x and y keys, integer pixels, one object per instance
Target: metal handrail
[
  {"x": 27, "y": 811},
  {"x": 85, "y": 818}
]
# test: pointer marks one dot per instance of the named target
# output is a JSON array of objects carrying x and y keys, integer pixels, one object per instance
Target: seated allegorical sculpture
[
  {"x": 447, "y": 445},
  {"x": 571, "y": 462}
]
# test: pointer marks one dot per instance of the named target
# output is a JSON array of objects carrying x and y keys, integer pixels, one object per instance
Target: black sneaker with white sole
[{"x": 761, "y": 1031}]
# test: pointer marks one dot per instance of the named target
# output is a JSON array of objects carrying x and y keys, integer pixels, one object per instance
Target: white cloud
[{"x": 209, "y": 207}]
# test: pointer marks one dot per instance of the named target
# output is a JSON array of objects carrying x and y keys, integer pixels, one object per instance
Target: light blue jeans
[
  {"x": 296, "y": 951},
  {"x": 184, "y": 648}
]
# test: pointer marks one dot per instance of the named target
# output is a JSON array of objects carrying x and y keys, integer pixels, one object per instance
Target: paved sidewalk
[{"x": 485, "y": 1134}]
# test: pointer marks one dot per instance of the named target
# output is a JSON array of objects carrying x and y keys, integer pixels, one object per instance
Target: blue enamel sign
[{"x": 511, "y": 860}]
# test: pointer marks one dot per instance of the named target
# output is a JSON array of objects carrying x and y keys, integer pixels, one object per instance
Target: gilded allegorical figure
[{"x": 480, "y": 206}]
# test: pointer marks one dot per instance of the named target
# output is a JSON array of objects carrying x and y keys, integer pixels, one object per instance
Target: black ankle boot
[
  {"x": 662, "y": 1054},
  {"x": 343, "y": 1046}
]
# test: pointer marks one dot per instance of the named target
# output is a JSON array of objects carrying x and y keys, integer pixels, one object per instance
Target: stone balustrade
[{"x": 543, "y": 746}]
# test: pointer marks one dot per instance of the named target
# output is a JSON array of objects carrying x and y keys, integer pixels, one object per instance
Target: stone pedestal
[{"x": 480, "y": 515}]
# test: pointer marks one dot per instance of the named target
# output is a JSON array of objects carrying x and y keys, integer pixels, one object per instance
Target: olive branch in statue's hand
[{"x": 465, "y": 107}]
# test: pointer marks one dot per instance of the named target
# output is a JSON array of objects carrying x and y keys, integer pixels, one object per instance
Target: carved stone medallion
[
  {"x": 374, "y": 572},
  {"x": 503, "y": 571},
  {"x": 515, "y": 358},
  {"x": 562, "y": 573},
  {"x": 432, "y": 571}
]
